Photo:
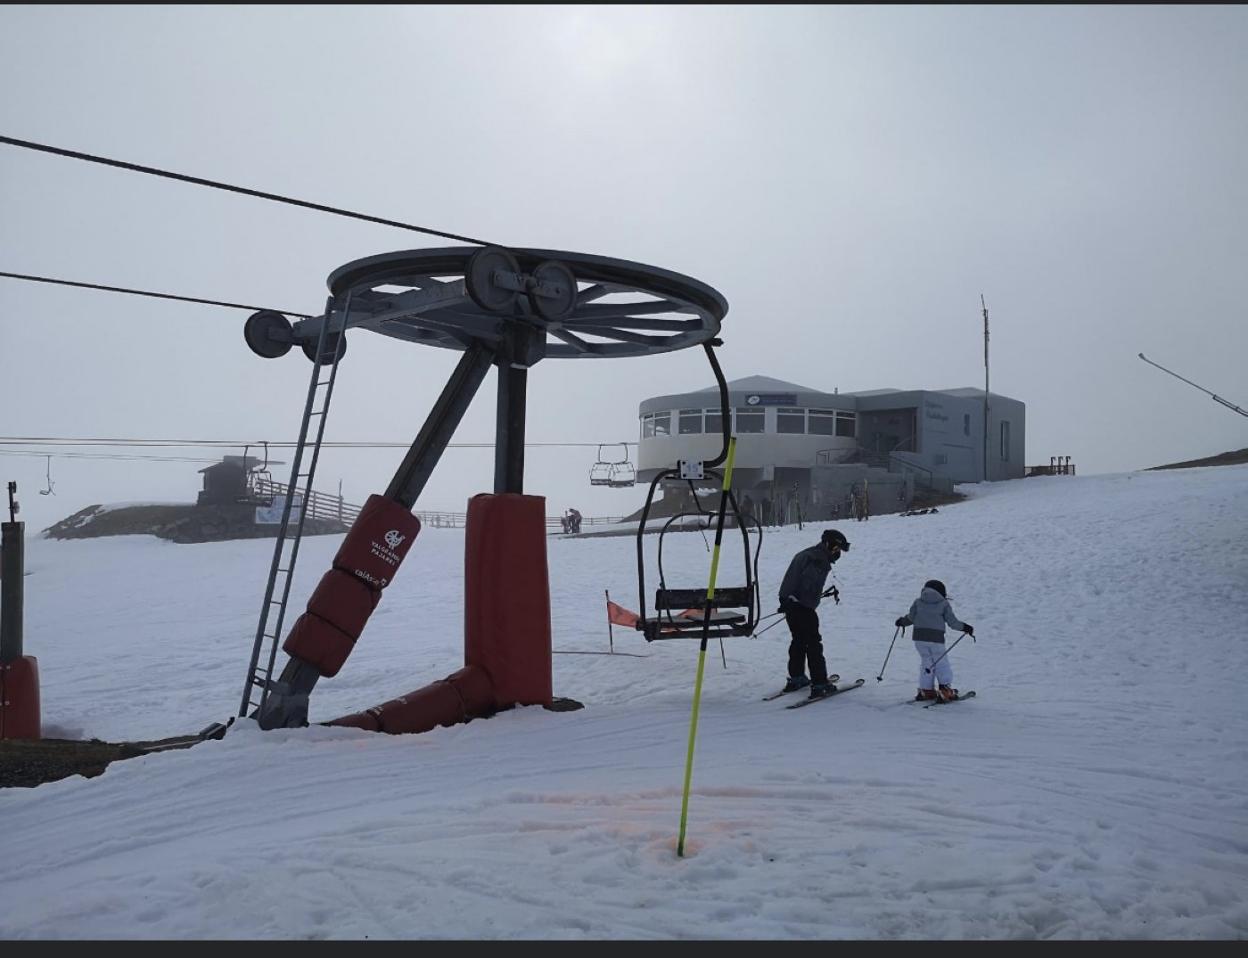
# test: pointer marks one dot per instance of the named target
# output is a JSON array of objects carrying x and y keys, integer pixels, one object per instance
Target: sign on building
[{"x": 271, "y": 515}]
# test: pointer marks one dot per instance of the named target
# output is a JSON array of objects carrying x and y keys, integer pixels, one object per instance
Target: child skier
[{"x": 928, "y": 614}]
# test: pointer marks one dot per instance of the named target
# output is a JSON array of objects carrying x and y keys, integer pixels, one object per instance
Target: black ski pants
[{"x": 807, "y": 644}]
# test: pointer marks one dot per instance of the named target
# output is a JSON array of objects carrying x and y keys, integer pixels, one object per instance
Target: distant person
[
  {"x": 800, "y": 592},
  {"x": 575, "y": 521},
  {"x": 928, "y": 614}
]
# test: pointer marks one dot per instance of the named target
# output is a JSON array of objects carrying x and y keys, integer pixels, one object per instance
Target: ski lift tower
[{"x": 501, "y": 308}]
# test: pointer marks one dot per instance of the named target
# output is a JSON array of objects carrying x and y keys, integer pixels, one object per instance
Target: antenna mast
[{"x": 985, "y": 306}]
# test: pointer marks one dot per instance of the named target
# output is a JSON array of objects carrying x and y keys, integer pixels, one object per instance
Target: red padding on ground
[
  {"x": 365, "y": 720},
  {"x": 19, "y": 698},
  {"x": 507, "y": 596},
  {"x": 377, "y": 542},
  {"x": 465, "y": 694},
  {"x": 322, "y": 645},
  {"x": 344, "y": 601}
]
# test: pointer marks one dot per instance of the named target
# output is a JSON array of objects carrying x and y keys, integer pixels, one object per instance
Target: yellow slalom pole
[{"x": 706, "y": 630}]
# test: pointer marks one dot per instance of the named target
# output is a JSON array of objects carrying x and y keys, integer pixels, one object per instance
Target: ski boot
[{"x": 796, "y": 682}]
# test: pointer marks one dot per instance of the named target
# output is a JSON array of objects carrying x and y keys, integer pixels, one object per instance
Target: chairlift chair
[
  {"x": 48, "y": 491},
  {"x": 680, "y": 613},
  {"x": 600, "y": 474},
  {"x": 622, "y": 475},
  {"x": 258, "y": 481},
  {"x": 615, "y": 473}
]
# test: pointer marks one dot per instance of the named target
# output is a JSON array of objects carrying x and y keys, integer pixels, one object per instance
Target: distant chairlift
[
  {"x": 259, "y": 480},
  {"x": 615, "y": 473}
]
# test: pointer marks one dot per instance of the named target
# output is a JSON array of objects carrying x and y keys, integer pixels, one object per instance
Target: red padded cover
[
  {"x": 507, "y": 596},
  {"x": 19, "y": 698},
  {"x": 378, "y": 541},
  {"x": 344, "y": 601},
  {"x": 323, "y": 646}
]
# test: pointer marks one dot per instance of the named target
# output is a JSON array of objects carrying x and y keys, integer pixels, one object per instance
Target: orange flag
[{"x": 618, "y": 615}]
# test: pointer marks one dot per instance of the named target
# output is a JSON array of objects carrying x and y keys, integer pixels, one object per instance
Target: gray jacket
[
  {"x": 928, "y": 614},
  {"x": 806, "y": 576}
]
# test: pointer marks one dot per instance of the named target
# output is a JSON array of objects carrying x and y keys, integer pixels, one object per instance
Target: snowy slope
[{"x": 1096, "y": 788}]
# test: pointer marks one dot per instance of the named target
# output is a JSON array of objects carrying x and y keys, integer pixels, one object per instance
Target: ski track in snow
[{"x": 1095, "y": 788}]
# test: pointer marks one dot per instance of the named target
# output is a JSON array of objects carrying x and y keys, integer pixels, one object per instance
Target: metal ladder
[{"x": 286, "y": 548}]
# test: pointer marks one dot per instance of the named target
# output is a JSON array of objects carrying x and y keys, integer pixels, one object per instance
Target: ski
[
  {"x": 776, "y": 695},
  {"x": 961, "y": 697},
  {"x": 835, "y": 692}
]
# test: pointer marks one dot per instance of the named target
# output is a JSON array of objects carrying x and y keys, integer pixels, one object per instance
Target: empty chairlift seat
[{"x": 680, "y": 614}]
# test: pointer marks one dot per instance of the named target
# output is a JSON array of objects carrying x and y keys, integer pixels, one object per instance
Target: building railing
[
  {"x": 457, "y": 520},
  {"x": 1058, "y": 466},
  {"x": 319, "y": 505},
  {"x": 322, "y": 506},
  {"x": 929, "y": 477},
  {"x": 831, "y": 457}
]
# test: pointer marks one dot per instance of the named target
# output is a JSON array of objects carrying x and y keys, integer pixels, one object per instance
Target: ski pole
[
  {"x": 947, "y": 651},
  {"x": 773, "y": 625},
  {"x": 830, "y": 592},
  {"x": 880, "y": 677}
]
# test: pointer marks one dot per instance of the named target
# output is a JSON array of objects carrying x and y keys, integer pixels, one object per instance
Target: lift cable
[
  {"x": 140, "y": 292},
  {"x": 200, "y": 181},
  {"x": 58, "y": 441}
]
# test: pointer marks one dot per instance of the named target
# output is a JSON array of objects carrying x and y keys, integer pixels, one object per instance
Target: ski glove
[
  {"x": 968, "y": 630},
  {"x": 901, "y": 623}
]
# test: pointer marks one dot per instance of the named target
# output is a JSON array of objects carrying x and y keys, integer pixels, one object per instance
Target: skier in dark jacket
[
  {"x": 929, "y": 614},
  {"x": 800, "y": 592}
]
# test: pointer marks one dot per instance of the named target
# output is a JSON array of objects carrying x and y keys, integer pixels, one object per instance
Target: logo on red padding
[{"x": 394, "y": 539}]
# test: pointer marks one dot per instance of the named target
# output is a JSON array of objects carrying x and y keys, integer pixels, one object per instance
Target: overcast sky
[{"x": 851, "y": 179}]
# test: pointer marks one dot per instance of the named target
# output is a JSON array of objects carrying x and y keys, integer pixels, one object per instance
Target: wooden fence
[{"x": 322, "y": 506}]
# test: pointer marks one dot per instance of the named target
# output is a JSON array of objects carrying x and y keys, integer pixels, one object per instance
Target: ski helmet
[
  {"x": 831, "y": 538},
  {"x": 937, "y": 585}
]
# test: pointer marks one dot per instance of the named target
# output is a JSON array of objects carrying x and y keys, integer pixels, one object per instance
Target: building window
[
  {"x": 966, "y": 424},
  {"x": 690, "y": 421},
  {"x": 715, "y": 421},
  {"x": 750, "y": 420},
  {"x": 656, "y": 424},
  {"x": 1005, "y": 442},
  {"x": 791, "y": 420},
  {"x": 846, "y": 424},
  {"x": 822, "y": 422}
]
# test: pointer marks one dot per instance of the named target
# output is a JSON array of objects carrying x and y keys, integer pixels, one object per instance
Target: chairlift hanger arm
[{"x": 725, "y": 421}]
